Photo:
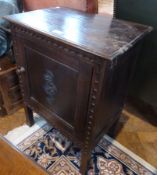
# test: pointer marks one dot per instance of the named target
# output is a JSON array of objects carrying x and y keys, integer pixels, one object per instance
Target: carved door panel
[{"x": 56, "y": 85}]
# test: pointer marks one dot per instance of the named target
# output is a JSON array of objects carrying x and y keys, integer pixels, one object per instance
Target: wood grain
[
  {"x": 10, "y": 122},
  {"x": 15, "y": 163},
  {"x": 138, "y": 134},
  {"x": 10, "y": 95}
]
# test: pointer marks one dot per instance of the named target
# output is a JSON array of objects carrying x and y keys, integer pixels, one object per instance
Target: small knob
[{"x": 20, "y": 70}]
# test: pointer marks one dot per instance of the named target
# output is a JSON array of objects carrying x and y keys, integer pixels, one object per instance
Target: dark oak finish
[
  {"x": 10, "y": 95},
  {"x": 75, "y": 69},
  {"x": 29, "y": 115}
]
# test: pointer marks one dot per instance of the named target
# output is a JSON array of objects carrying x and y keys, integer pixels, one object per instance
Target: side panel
[
  {"x": 143, "y": 88},
  {"x": 114, "y": 91}
]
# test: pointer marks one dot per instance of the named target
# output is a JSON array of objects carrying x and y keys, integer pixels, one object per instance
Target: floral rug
[{"x": 59, "y": 156}]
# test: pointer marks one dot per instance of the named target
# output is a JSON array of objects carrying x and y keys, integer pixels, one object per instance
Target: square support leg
[{"x": 29, "y": 116}]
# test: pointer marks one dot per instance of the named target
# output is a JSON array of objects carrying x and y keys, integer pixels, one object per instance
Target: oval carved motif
[{"x": 49, "y": 86}]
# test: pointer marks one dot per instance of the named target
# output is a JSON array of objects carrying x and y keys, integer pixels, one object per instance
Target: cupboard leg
[
  {"x": 114, "y": 129},
  {"x": 85, "y": 157},
  {"x": 29, "y": 116}
]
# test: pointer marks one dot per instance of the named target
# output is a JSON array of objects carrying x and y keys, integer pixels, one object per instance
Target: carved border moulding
[
  {"x": 92, "y": 103},
  {"x": 71, "y": 51},
  {"x": 19, "y": 75}
]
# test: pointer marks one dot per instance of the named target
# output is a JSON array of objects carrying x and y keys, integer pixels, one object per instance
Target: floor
[
  {"x": 12, "y": 162},
  {"x": 137, "y": 134},
  {"x": 133, "y": 131},
  {"x": 10, "y": 122}
]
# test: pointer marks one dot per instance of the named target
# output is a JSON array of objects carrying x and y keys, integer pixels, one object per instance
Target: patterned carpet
[{"x": 59, "y": 156}]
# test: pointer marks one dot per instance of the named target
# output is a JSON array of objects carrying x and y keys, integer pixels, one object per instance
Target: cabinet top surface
[{"x": 100, "y": 35}]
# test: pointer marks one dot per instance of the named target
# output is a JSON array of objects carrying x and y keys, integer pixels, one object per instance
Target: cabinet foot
[
  {"x": 85, "y": 157},
  {"x": 114, "y": 129},
  {"x": 29, "y": 116}
]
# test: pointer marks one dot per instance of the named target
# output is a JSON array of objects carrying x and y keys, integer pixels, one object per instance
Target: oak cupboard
[{"x": 74, "y": 70}]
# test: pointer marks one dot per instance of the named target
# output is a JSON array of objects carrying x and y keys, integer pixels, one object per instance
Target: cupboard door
[{"x": 56, "y": 85}]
